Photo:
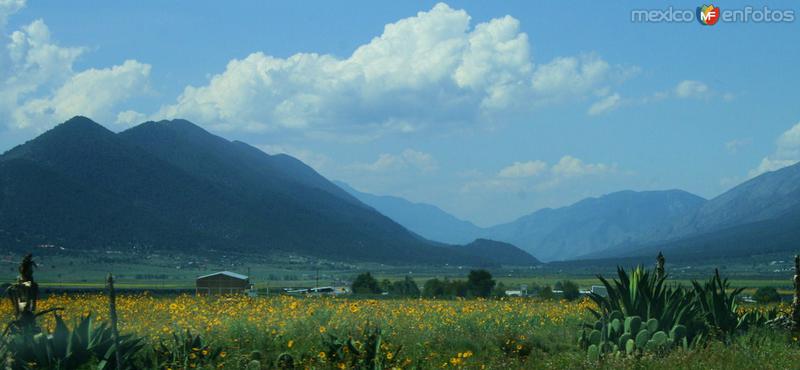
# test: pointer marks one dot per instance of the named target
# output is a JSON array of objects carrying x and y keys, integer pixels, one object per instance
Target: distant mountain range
[
  {"x": 761, "y": 215},
  {"x": 172, "y": 185},
  {"x": 614, "y": 220},
  {"x": 591, "y": 225},
  {"x": 424, "y": 219}
]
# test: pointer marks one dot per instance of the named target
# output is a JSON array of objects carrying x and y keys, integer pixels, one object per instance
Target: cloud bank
[
  {"x": 40, "y": 87},
  {"x": 538, "y": 175},
  {"x": 430, "y": 70}
]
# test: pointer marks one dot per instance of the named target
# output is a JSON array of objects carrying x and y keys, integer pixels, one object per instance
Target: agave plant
[
  {"x": 718, "y": 306},
  {"x": 646, "y": 295},
  {"x": 65, "y": 348}
]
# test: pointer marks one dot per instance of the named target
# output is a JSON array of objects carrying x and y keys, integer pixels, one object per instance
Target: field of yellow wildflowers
[
  {"x": 415, "y": 333},
  {"x": 442, "y": 332}
]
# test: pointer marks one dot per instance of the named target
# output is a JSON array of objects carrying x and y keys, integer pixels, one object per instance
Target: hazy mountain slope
[
  {"x": 781, "y": 234},
  {"x": 168, "y": 185},
  {"x": 761, "y": 215},
  {"x": 426, "y": 220},
  {"x": 502, "y": 253},
  {"x": 761, "y": 198},
  {"x": 596, "y": 224}
]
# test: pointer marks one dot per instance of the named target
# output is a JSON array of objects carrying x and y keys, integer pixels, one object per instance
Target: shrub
[
  {"x": 767, "y": 295},
  {"x": 546, "y": 293},
  {"x": 570, "y": 289}
]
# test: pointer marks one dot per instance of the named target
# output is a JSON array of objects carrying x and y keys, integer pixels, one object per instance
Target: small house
[{"x": 223, "y": 282}]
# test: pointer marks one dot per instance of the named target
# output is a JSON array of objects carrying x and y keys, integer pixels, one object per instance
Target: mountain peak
[
  {"x": 181, "y": 124},
  {"x": 82, "y": 125},
  {"x": 167, "y": 134},
  {"x": 77, "y": 132},
  {"x": 80, "y": 120},
  {"x": 177, "y": 125}
]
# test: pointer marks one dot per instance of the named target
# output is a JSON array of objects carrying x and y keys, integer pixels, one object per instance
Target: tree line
[{"x": 479, "y": 283}]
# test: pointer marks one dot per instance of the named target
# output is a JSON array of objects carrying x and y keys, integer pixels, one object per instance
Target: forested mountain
[{"x": 172, "y": 185}]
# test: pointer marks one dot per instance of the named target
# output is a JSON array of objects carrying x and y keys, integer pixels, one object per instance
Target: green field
[{"x": 178, "y": 271}]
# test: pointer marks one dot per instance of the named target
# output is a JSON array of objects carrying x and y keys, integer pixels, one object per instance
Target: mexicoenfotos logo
[{"x": 707, "y": 15}]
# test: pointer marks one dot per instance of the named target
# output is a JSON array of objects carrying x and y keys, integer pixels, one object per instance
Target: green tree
[
  {"x": 546, "y": 292},
  {"x": 433, "y": 288},
  {"x": 365, "y": 284},
  {"x": 767, "y": 295},
  {"x": 406, "y": 288},
  {"x": 386, "y": 286},
  {"x": 480, "y": 283},
  {"x": 570, "y": 289}
]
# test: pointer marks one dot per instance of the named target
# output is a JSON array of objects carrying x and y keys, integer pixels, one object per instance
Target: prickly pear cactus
[
  {"x": 630, "y": 347},
  {"x": 642, "y": 338},
  {"x": 594, "y": 337},
  {"x": 660, "y": 338},
  {"x": 616, "y": 327},
  {"x": 617, "y": 335},
  {"x": 624, "y": 339},
  {"x": 652, "y": 326},
  {"x": 593, "y": 353},
  {"x": 633, "y": 324}
]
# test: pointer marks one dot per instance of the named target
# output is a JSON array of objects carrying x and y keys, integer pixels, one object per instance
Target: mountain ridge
[
  {"x": 148, "y": 187},
  {"x": 424, "y": 219},
  {"x": 550, "y": 233},
  {"x": 755, "y": 217}
]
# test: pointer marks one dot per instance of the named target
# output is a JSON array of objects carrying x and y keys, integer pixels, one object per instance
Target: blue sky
[{"x": 489, "y": 110}]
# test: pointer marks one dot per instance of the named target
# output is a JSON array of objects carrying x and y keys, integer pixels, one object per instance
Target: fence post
[{"x": 112, "y": 308}]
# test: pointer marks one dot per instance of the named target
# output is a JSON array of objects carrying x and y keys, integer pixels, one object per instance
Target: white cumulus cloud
[
  {"x": 523, "y": 169},
  {"x": 432, "y": 69},
  {"x": 8, "y": 8},
  {"x": 786, "y": 154},
  {"x": 569, "y": 166},
  {"x": 537, "y": 175},
  {"x": 91, "y": 93},
  {"x": 39, "y": 85}
]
